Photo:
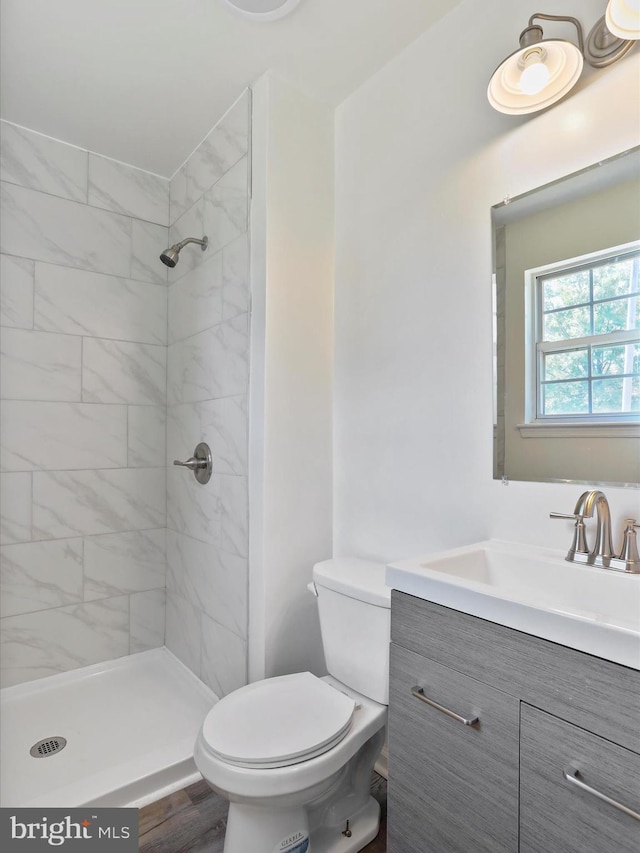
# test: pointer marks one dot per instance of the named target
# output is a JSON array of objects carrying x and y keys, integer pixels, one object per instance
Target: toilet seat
[{"x": 278, "y": 722}]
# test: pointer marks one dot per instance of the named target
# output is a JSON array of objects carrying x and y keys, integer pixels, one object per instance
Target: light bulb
[{"x": 535, "y": 75}]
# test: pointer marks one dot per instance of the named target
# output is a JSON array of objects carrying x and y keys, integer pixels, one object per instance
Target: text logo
[{"x": 99, "y": 830}]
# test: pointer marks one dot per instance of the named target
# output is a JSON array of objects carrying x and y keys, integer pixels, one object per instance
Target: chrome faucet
[
  {"x": 602, "y": 550},
  {"x": 602, "y": 553}
]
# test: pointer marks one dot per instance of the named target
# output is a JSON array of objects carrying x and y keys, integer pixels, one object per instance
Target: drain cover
[{"x": 48, "y": 746}]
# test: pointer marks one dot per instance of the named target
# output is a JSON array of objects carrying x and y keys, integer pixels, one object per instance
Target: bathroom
[{"x": 332, "y": 428}]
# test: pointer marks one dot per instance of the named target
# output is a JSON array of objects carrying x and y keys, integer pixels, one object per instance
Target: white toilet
[{"x": 294, "y": 754}]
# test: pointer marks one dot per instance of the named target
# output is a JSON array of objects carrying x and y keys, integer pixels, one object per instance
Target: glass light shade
[
  {"x": 623, "y": 19},
  {"x": 261, "y": 10},
  {"x": 563, "y": 61}
]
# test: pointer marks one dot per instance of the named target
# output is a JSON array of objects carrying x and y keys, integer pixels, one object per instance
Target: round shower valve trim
[{"x": 201, "y": 463}]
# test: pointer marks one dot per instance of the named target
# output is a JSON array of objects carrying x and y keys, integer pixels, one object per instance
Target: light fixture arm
[{"x": 541, "y": 16}]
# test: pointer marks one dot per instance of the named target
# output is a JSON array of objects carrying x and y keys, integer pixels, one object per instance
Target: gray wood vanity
[{"x": 497, "y": 785}]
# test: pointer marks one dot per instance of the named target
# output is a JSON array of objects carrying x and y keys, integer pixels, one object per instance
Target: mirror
[{"x": 570, "y": 221}]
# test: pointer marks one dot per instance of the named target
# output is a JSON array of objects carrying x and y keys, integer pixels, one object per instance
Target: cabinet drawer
[
  {"x": 452, "y": 787},
  {"x": 558, "y": 815},
  {"x": 598, "y": 695}
]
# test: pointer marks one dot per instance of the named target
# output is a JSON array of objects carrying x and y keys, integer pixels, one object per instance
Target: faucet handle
[
  {"x": 629, "y": 550},
  {"x": 579, "y": 544}
]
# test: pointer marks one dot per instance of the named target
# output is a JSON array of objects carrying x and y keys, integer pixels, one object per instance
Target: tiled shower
[{"x": 110, "y": 370}]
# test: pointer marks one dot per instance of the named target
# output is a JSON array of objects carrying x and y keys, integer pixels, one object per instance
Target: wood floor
[{"x": 194, "y": 821}]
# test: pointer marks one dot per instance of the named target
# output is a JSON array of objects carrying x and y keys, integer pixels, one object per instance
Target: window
[{"x": 585, "y": 339}]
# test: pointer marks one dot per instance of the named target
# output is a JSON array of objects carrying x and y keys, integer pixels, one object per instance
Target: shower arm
[{"x": 179, "y": 246}]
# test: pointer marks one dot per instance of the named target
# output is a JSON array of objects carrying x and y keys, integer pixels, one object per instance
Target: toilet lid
[{"x": 278, "y": 721}]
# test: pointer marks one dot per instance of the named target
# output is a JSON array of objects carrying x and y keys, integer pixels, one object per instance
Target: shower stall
[
  {"x": 124, "y": 579},
  {"x": 134, "y": 595}
]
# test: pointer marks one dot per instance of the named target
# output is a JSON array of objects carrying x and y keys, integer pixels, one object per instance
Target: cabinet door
[
  {"x": 556, "y": 813},
  {"x": 453, "y": 788}
]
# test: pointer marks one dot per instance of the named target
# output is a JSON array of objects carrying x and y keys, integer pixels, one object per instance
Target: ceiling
[{"x": 143, "y": 81}]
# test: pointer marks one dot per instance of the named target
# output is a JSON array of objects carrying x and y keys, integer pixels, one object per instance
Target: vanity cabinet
[{"x": 495, "y": 784}]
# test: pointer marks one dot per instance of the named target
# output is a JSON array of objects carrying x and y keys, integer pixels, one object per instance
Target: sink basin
[{"x": 534, "y": 590}]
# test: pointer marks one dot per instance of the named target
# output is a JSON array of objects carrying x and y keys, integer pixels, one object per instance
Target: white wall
[
  {"x": 420, "y": 159},
  {"x": 291, "y": 374}
]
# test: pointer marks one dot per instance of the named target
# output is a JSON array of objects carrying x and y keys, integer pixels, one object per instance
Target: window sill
[{"x": 611, "y": 429}]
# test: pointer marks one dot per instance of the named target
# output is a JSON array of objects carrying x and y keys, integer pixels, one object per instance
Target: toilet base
[
  {"x": 266, "y": 830},
  {"x": 263, "y": 830}
]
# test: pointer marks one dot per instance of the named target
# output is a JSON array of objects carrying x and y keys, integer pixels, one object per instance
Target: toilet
[{"x": 294, "y": 754}]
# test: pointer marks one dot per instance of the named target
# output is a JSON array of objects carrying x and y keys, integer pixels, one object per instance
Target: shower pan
[{"x": 115, "y": 734}]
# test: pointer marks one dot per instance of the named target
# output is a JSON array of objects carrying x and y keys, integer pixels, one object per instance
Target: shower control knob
[
  {"x": 192, "y": 463},
  {"x": 201, "y": 463}
]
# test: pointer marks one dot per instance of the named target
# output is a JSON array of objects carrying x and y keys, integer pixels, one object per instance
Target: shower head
[{"x": 171, "y": 255}]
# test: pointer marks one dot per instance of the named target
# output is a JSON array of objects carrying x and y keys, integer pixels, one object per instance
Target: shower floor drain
[{"x": 48, "y": 746}]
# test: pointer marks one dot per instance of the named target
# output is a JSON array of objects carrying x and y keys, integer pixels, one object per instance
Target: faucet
[
  {"x": 602, "y": 550},
  {"x": 602, "y": 553}
]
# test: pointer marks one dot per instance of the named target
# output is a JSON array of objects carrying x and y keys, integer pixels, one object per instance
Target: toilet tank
[{"x": 354, "y": 604}]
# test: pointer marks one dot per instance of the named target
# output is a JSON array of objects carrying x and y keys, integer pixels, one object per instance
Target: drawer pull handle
[
  {"x": 418, "y": 693},
  {"x": 572, "y": 776}
]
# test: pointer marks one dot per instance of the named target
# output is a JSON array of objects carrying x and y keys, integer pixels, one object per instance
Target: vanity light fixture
[
  {"x": 543, "y": 70},
  {"x": 261, "y": 10},
  {"x": 623, "y": 18}
]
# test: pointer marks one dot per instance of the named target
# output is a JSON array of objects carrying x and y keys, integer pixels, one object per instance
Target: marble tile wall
[
  {"x": 207, "y": 385},
  {"x": 83, "y": 368}
]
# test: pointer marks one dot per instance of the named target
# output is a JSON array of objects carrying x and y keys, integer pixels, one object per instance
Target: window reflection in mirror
[
  {"x": 583, "y": 338},
  {"x": 567, "y": 329}
]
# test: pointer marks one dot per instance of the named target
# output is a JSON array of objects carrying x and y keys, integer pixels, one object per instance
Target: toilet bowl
[{"x": 294, "y": 754}]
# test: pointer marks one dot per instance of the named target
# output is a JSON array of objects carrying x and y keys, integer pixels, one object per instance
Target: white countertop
[{"x": 534, "y": 590}]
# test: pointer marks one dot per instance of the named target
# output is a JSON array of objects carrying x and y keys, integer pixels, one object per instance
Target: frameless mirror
[{"x": 566, "y": 318}]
